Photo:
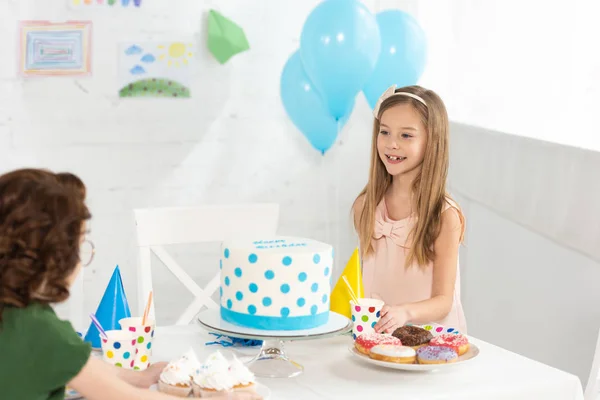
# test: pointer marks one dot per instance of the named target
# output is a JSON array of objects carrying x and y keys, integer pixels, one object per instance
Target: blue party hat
[{"x": 113, "y": 307}]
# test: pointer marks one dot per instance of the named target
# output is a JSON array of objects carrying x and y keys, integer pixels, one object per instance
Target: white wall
[
  {"x": 529, "y": 295},
  {"x": 230, "y": 143},
  {"x": 526, "y": 67},
  {"x": 530, "y": 265}
]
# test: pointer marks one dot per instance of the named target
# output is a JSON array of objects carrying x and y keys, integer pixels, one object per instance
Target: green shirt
[{"x": 39, "y": 353}]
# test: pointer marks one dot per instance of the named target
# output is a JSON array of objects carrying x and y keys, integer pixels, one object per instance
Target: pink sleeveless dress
[{"x": 385, "y": 276}]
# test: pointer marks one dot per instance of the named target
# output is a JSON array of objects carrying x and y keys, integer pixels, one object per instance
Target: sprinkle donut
[
  {"x": 455, "y": 341},
  {"x": 436, "y": 355},
  {"x": 365, "y": 342}
]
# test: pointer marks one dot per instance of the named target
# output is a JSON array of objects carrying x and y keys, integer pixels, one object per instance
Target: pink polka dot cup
[
  {"x": 143, "y": 335},
  {"x": 119, "y": 348},
  {"x": 365, "y": 315}
]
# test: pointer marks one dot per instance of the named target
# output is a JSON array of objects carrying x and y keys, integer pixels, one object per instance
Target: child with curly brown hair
[{"x": 43, "y": 220}]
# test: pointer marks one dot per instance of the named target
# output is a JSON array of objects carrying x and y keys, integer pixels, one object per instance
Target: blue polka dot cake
[{"x": 276, "y": 284}]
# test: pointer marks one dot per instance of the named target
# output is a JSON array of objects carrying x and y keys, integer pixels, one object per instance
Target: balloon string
[
  {"x": 337, "y": 206},
  {"x": 324, "y": 202}
]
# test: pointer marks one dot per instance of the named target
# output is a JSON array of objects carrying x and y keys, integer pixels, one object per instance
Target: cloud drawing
[
  {"x": 133, "y": 50},
  {"x": 137, "y": 70},
  {"x": 148, "y": 58}
]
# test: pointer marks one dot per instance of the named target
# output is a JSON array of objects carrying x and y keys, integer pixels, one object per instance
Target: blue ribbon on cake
[{"x": 227, "y": 341}]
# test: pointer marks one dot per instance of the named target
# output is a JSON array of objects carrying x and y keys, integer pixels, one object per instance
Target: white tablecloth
[{"x": 331, "y": 372}]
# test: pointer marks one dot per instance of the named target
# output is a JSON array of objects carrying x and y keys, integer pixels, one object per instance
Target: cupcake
[
  {"x": 213, "y": 378},
  {"x": 190, "y": 362},
  {"x": 175, "y": 379},
  {"x": 216, "y": 361},
  {"x": 242, "y": 376}
]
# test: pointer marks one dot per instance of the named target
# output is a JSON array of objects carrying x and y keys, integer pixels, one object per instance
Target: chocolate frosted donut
[{"x": 412, "y": 335}]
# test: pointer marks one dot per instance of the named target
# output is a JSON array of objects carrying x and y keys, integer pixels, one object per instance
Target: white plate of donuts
[{"x": 415, "y": 348}]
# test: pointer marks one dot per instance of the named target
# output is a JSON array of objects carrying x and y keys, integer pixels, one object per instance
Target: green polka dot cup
[
  {"x": 143, "y": 335},
  {"x": 365, "y": 315},
  {"x": 119, "y": 348}
]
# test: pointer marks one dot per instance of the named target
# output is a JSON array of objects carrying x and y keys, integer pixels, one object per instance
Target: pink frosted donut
[
  {"x": 365, "y": 342},
  {"x": 455, "y": 341}
]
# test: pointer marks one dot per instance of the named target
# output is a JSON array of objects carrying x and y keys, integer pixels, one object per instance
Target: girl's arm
[
  {"x": 141, "y": 379},
  {"x": 98, "y": 380},
  {"x": 444, "y": 273},
  {"x": 444, "y": 279}
]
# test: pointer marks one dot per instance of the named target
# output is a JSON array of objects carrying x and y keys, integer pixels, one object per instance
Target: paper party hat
[
  {"x": 111, "y": 309},
  {"x": 340, "y": 296}
]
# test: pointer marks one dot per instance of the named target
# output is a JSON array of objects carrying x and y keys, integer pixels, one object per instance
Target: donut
[
  {"x": 455, "y": 341},
  {"x": 436, "y": 355},
  {"x": 366, "y": 341},
  {"x": 393, "y": 353},
  {"x": 413, "y": 336}
]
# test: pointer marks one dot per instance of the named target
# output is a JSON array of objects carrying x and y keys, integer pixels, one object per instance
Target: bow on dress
[{"x": 395, "y": 231}]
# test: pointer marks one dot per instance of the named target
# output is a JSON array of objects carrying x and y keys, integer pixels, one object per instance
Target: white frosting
[
  {"x": 216, "y": 380},
  {"x": 290, "y": 273},
  {"x": 390, "y": 350},
  {"x": 240, "y": 373},
  {"x": 176, "y": 373},
  {"x": 214, "y": 374},
  {"x": 190, "y": 361},
  {"x": 216, "y": 362}
]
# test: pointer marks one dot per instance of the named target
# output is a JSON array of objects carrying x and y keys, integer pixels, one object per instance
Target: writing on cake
[{"x": 273, "y": 244}]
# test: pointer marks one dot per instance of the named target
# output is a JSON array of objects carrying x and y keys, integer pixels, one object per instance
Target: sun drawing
[{"x": 176, "y": 54}]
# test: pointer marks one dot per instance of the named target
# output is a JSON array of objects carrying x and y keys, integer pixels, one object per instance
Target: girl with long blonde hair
[{"x": 409, "y": 227}]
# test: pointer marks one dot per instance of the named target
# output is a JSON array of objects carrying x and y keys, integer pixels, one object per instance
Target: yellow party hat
[{"x": 340, "y": 295}]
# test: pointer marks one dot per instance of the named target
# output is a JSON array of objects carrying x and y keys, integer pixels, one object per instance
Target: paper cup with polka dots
[
  {"x": 143, "y": 339},
  {"x": 365, "y": 315},
  {"x": 119, "y": 348}
]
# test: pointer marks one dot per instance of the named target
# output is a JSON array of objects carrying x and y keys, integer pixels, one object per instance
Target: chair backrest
[{"x": 157, "y": 227}]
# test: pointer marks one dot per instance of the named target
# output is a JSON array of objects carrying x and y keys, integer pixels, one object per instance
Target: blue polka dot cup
[
  {"x": 118, "y": 348},
  {"x": 143, "y": 334},
  {"x": 365, "y": 315}
]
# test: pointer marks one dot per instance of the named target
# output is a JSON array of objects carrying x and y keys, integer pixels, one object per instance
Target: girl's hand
[
  {"x": 152, "y": 373},
  {"x": 392, "y": 318}
]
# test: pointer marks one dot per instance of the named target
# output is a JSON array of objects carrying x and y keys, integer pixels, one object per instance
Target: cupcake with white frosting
[
  {"x": 213, "y": 378},
  {"x": 190, "y": 362},
  {"x": 216, "y": 361},
  {"x": 175, "y": 379},
  {"x": 244, "y": 380}
]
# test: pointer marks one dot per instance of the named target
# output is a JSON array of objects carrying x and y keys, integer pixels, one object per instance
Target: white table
[{"x": 331, "y": 372}]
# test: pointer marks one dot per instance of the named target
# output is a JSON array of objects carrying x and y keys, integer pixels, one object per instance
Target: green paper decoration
[{"x": 225, "y": 37}]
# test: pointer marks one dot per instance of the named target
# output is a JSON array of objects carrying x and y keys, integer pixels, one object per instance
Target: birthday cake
[{"x": 282, "y": 283}]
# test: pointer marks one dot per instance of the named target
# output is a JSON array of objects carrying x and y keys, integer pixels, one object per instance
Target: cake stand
[{"x": 272, "y": 361}]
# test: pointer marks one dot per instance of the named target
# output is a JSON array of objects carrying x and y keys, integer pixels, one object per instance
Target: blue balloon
[
  {"x": 340, "y": 45},
  {"x": 403, "y": 54},
  {"x": 306, "y": 108}
]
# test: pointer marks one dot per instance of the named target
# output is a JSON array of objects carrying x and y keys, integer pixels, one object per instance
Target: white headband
[{"x": 391, "y": 91}]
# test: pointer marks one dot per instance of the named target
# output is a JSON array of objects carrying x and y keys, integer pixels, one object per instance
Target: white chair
[
  {"x": 591, "y": 389},
  {"x": 157, "y": 227}
]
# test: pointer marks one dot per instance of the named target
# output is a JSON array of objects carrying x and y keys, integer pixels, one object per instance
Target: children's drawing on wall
[
  {"x": 104, "y": 3},
  {"x": 55, "y": 49},
  {"x": 154, "y": 69}
]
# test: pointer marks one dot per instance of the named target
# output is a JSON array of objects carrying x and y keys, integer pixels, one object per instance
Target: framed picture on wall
[
  {"x": 55, "y": 49},
  {"x": 156, "y": 69},
  {"x": 88, "y": 4}
]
